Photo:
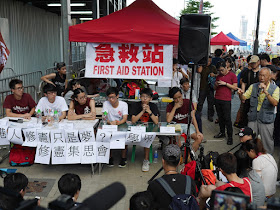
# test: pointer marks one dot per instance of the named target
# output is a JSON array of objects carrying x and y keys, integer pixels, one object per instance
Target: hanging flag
[
  {"x": 201, "y": 7},
  {"x": 4, "y": 53}
]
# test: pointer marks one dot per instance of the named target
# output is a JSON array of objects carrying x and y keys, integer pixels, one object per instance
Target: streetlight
[{"x": 256, "y": 43}]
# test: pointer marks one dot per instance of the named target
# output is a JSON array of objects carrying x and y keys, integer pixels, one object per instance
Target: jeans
[
  {"x": 223, "y": 109},
  {"x": 210, "y": 101}
]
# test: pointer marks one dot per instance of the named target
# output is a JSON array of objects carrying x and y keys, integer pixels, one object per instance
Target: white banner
[{"x": 129, "y": 61}]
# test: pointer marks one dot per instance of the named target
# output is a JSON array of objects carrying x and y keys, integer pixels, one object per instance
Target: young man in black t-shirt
[{"x": 145, "y": 111}]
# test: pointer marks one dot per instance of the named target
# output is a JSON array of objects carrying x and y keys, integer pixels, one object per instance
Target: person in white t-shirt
[
  {"x": 264, "y": 164},
  {"x": 117, "y": 115},
  {"x": 177, "y": 74},
  {"x": 51, "y": 102}
]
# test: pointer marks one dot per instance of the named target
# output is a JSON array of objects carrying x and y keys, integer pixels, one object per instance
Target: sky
[{"x": 230, "y": 13}]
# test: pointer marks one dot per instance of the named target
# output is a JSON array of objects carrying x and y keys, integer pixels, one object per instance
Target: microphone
[{"x": 105, "y": 198}]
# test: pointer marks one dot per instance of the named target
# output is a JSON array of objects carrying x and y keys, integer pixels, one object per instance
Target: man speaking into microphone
[{"x": 264, "y": 97}]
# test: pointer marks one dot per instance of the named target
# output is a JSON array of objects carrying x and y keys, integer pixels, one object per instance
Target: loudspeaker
[{"x": 194, "y": 38}]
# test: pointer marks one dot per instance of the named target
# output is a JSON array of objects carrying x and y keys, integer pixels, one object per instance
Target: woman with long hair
[
  {"x": 264, "y": 164},
  {"x": 81, "y": 107}
]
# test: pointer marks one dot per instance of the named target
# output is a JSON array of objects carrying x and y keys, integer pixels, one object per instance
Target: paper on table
[
  {"x": 43, "y": 135},
  {"x": 15, "y": 135},
  {"x": 30, "y": 137},
  {"x": 103, "y": 152},
  {"x": 118, "y": 140},
  {"x": 72, "y": 136},
  {"x": 164, "y": 129},
  {"x": 139, "y": 129},
  {"x": 110, "y": 127},
  {"x": 86, "y": 135},
  {"x": 43, "y": 153},
  {"x": 73, "y": 154},
  {"x": 59, "y": 153},
  {"x": 133, "y": 138},
  {"x": 147, "y": 139},
  {"x": 66, "y": 125},
  {"x": 89, "y": 153},
  {"x": 103, "y": 135}
]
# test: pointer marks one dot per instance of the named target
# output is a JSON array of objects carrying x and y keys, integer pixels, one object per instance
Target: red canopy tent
[
  {"x": 141, "y": 22},
  {"x": 222, "y": 39}
]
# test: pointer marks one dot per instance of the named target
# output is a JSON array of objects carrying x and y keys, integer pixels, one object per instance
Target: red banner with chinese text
[
  {"x": 4, "y": 53},
  {"x": 129, "y": 61}
]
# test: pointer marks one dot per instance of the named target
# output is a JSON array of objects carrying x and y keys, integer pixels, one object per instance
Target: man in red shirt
[
  {"x": 19, "y": 104},
  {"x": 226, "y": 81},
  {"x": 178, "y": 111}
]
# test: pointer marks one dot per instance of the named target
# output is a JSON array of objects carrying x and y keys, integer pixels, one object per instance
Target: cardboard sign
[
  {"x": 89, "y": 153},
  {"x": 43, "y": 153},
  {"x": 72, "y": 136},
  {"x": 15, "y": 135},
  {"x": 128, "y": 61},
  {"x": 118, "y": 140},
  {"x": 164, "y": 129},
  {"x": 147, "y": 139},
  {"x": 57, "y": 136},
  {"x": 110, "y": 127},
  {"x": 30, "y": 137},
  {"x": 103, "y": 152},
  {"x": 73, "y": 153},
  {"x": 87, "y": 135},
  {"x": 59, "y": 153},
  {"x": 103, "y": 135}
]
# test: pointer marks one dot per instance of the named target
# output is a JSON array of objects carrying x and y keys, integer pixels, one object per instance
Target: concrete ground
[{"x": 131, "y": 176}]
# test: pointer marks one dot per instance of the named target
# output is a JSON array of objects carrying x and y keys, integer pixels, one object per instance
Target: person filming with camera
[{"x": 178, "y": 73}]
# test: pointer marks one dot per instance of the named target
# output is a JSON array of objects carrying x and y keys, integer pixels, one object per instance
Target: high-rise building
[{"x": 243, "y": 28}]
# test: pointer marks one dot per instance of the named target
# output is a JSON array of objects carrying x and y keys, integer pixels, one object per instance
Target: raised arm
[{"x": 48, "y": 78}]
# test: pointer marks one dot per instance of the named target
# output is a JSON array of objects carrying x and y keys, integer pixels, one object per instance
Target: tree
[{"x": 193, "y": 7}]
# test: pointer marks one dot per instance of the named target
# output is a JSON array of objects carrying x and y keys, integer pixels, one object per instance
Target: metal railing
[
  {"x": 32, "y": 78},
  {"x": 7, "y": 72},
  {"x": 28, "y": 89}
]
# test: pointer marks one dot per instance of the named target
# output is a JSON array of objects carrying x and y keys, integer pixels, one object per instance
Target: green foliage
[{"x": 193, "y": 7}]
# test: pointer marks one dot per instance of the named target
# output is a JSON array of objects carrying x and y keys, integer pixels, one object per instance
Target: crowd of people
[{"x": 251, "y": 170}]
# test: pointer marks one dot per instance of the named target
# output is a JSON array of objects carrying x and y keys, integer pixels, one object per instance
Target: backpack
[
  {"x": 183, "y": 201},
  {"x": 22, "y": 156},
  {"x": 211, "y": 81}
]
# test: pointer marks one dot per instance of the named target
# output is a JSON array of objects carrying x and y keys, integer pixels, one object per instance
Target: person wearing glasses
[
  {"x": 226, "y": 81},
  {"x": 19, "y": 104},
  {"x": 145, "y": 111},
  {"x": 81, "y": 107},
  {"x": 117, "y": 114},
  {"x": 51, "y": 103}
]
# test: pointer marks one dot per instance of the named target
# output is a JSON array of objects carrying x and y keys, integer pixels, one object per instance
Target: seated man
[
  {"x": 170, "y": 160},
  {"x": 145, "y": 111},
  {"x": 70, "y": 184},
  {"x": 19, "y": 104},
  {"x": 178, "y": 112},
  {"x": 16, "y": 182},
  {"x": 52, "y": 102},
  {"x": 117, "y": 115},
  {"x": 228, "y": 166},
  {"x": 81, "y": 107}
]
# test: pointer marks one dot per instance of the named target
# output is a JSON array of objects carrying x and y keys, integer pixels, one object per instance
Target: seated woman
[
  {"x": 264, "y": 164},
  {"x": 81, "y": 107}
]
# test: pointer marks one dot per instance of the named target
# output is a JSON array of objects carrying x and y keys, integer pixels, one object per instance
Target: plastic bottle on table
[
  {"x": 55, "y": 118},
  {"x": 105, "y": 117},
  {"x": 39, "y": 116},
  {"x": 156, "y": 156}
]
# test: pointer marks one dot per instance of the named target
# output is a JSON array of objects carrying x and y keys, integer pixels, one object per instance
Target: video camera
[{"x": 103, "y": 199}]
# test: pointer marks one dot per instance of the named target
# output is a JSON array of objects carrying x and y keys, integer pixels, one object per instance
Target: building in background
[{"x": 243, "y": 28}]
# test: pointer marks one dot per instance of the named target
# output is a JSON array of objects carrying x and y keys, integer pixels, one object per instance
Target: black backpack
[{"x": 182, "y": 201}]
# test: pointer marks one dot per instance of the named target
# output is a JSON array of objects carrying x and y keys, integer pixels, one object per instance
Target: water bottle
[
  {"x": 105, "y": 117},
  {"x": 39, "y": 116},
  {"x": 156, "y": 156},
  {"x": 55, "y": 118}
]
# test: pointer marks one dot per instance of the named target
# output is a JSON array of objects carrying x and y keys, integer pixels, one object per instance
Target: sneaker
[
  {"x": 123, "y": 162},
  {"x": 229, "y": 141},
  {"x": 220, "y": 135},
  {"x": 210, "y": 119},
  {"x": 203, "y": 141},
  {"x": 146, "y": 166},
  {"x": 111, "y": 162}
]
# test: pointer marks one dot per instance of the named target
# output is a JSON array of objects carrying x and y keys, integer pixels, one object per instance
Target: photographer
[{"x": 178, "y": 74}]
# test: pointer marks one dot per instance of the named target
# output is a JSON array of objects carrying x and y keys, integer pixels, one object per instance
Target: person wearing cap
[
  {"x": 170, "y": 160},
  {"x": 249, "y": 76},
  {"x": 264, "y": 97}
]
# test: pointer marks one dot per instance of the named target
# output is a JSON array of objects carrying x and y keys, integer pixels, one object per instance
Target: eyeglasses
[
  {"x": 111, "y": 97},
  {"x": 19, "y": 88},
  {"x": 51, "y": 93},
  {"x": 145, "y": 97},
  {"x": 82, "y": 98}
]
